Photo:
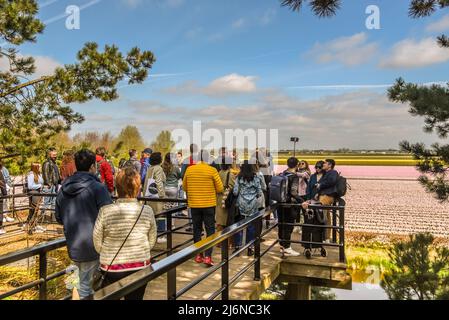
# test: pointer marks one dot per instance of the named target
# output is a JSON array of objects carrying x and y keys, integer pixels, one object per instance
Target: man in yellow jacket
[{"x": 201, "y": 182}]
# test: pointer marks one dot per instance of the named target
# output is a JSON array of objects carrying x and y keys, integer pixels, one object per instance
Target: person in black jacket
[
  {"x": 327, "y": 190},
  {"x": 287, "y": 215},
  {"x": 77, "y": 206}
]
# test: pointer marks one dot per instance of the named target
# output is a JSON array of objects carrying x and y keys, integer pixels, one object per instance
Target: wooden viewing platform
[{"x": 299, "y": 272}]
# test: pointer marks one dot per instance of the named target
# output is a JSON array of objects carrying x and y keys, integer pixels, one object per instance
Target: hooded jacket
[
  {"x": 77, "y": 206},
  {"x": 107, "y": 177}
]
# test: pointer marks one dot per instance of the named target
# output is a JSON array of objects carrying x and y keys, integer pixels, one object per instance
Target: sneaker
[
  {"x": 199, "y": 258},
  {"x": 208, "y": 261},
  {"x": 9, "y": 219},
  {"x": 4, "y": 219},
  {"x": 289, "y": 252},
  {"x": 162, "y": 240},
  {"x": 250, "y": 252},
  {"x": 2, "y": 231}
]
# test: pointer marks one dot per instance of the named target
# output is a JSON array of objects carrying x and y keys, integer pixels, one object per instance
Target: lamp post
[{"x": 294, "y": 140}]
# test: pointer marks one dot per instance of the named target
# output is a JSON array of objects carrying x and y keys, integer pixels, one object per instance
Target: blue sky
[{"x": 252, "y": 63}]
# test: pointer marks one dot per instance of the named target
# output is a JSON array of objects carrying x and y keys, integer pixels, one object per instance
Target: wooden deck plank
[{"x": 272, "y": 265}]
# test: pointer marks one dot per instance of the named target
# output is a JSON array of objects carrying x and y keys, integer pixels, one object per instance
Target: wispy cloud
[
  {"x": 162, "y": 3},
  {"x": 357, "y": 86},
  {"x": 350, "y": 51},
  {"x": 65, "y": 15},
  {"x": 411, "y": 53},
  {"x": 230, "y": 84},
  {"x": 440, "y": 25}
]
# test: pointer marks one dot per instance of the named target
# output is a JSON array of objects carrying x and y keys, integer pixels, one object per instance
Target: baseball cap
[{"x": 148, "y": 150}]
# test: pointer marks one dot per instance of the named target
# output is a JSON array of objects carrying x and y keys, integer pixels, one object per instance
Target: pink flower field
[
  {"x": 389, "y": 200},
  {"x": 384, "y": 172}
]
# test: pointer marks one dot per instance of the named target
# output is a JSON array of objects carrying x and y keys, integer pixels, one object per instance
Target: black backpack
[
  {"x": 342, "y": 186},
  {"x": 280, "y": 187}
]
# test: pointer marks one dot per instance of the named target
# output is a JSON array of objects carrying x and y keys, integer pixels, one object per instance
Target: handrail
[
  {"x": 142, "y": 277},
  {"x": 41, "y": 250},
  {"x": 33, "y": 251},
  {"x": 169, "y": 264}
]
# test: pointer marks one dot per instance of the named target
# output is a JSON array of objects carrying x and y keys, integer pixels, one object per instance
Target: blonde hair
[{"x": 128, "y": 183}]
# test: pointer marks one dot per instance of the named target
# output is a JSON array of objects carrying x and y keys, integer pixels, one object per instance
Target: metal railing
[
  {"x": 337, "y": 227},
  {"x": 43, "y": 249},
  {"x": 169, "y": 264}
]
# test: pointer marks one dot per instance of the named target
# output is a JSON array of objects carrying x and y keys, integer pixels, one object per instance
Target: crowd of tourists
[{"x": 117, "y": 237}]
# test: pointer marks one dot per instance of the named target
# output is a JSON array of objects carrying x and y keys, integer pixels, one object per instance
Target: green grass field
[{"x": 354, "y": 159}]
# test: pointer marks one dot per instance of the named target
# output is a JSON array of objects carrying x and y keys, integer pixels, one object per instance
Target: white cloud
[
  {"x": 360, "y": 119},
  {"x": 232, "y": 83},
  {"x": 410, "y": 53},
  {"x": 440, "y": 25},
  {"x": 44, "y": 65},
  {"x": 350, "y": 51},
  {"x": 226, "y": 85}
]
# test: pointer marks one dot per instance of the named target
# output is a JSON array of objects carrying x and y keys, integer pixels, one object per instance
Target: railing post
[
  {"x": 171, "y": 284},
  {"x": 225, "y": 269},
  {"x": 258, "y": 231},
  {"x": 169, "y": 233},
  {"x": 342, "y": 234},
  {"x": 43, "y": 275},
  {"x": 334, "y": 224}
]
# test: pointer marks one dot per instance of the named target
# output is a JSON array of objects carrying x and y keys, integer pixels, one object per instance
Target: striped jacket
[
  {"x": 113, "y": 225},
  {"x": 202, "y": 183}
]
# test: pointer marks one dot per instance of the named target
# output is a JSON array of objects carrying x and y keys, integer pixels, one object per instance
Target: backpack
[
  {"x": 247, "y": 197},
  {"x": 280, "y": 187},
  {"x": 342, "y": 186}
]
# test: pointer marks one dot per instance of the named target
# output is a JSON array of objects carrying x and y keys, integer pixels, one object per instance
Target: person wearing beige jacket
[
  {"x": 154, "y": 187},
  {"x": 114, "y": 223}
]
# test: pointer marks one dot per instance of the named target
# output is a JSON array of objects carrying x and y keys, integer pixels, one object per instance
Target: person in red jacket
[{"x": 104, "y": 170}]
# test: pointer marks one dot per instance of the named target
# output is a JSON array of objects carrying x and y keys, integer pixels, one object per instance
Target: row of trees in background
[{"x": 117, "y": 146}]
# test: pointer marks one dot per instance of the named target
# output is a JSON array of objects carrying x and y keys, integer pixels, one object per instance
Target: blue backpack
[{"x": 280, "y": 187}]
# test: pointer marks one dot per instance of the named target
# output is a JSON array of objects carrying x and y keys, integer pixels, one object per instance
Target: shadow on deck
[{"x": 301, "y": 273}]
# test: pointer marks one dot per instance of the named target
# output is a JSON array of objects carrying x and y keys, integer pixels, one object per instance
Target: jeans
[
  {"x": 161, "y": 225},
  {"x": 250, "y": 232},
  {"x": 326, "y": 200},
  {"x": 49, "y": 202},
  {"x": 86, "y": 272},
  {"x": 286, "y": 215},
  {"x": 250, "y": 235},
  {"x": 206, "y": 216}
]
